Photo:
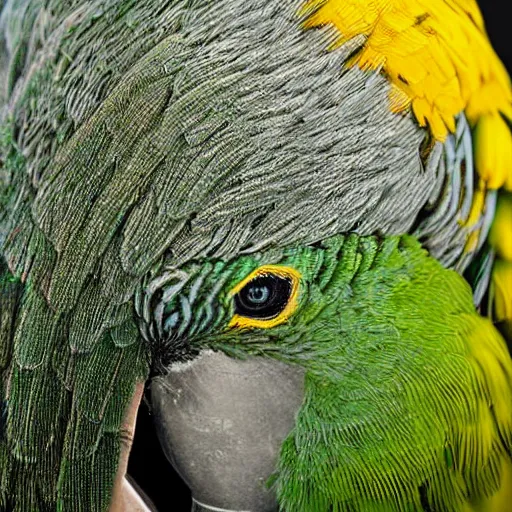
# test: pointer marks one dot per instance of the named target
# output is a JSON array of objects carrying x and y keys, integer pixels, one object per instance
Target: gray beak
[{"x": 221, "y": 423}]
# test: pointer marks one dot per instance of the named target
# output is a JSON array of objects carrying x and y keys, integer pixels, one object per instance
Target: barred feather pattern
[{"x": 450, "y": 226}]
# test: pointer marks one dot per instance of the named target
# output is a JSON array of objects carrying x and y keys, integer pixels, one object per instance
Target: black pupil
[{"x": 264, "y": 297}]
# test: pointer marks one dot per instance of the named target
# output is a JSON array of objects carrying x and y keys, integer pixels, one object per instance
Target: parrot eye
[
  {"x": 263, "y": 297},
  {"x": 267, "y": 297}
]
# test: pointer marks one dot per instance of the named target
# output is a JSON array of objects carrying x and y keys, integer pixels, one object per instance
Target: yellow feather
[
  {"x": 508, "y": 183},
  {"x": 493, "y": 150},
  {"x": 472, "y": 10},
  {"x": 435, "y": 51},
  {"x": 472, "y": 240},
  {"x": 477, "y": 206},
  {"x": 500, "y": 236},
  {"x": 502, "y": 500},
  {"x": 502, "y": 290},
  {"x": 399, "y": 100}
]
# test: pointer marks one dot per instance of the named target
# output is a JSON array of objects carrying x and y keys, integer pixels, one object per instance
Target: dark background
[
  {"x": 148, "y": 465},
  {"x": 498, "y": 19}
]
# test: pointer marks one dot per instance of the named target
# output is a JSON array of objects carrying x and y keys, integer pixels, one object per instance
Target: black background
[{"x": 148, "y": 465}]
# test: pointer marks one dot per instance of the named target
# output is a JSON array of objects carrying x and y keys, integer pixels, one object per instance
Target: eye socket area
[{"x": 265, "y": 298}]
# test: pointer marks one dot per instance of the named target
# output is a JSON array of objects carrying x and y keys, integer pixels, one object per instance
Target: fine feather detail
[
  {"x": 137, "y": 129},
  {"x": 435, "y": 51}
]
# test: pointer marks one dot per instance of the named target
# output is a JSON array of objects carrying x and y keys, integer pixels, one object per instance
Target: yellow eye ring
[{"x": 283, "y": 272}]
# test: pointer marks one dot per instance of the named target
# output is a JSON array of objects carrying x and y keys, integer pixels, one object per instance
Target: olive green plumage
[{"x": 64, "y": 411}]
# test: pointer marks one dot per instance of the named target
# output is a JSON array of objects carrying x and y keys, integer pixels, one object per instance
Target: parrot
[{"x": 322, "y": 186}]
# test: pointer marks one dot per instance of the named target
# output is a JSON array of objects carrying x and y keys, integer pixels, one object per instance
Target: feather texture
[{"x": 139, "y": 136}]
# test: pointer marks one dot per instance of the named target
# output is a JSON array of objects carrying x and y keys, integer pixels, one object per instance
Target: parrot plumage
[{"x": 158, "y": 158}]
